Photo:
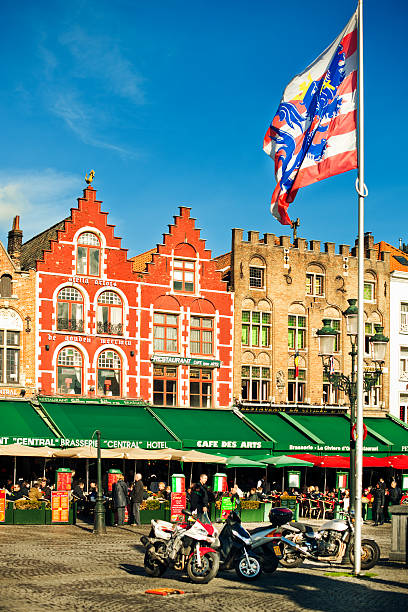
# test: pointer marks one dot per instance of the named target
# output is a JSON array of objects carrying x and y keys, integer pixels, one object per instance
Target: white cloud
[
  {"x": 100, "y": 58},
  {"x": 41, "y": 198}
]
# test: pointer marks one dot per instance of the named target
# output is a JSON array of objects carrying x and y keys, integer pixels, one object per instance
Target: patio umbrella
[
  {"x": 19, "y": 450},
  {"x": 334, "y": 461},
  {"x": 398, "y": 462},
  {"x": 236, "y": 461},
  {"x": 89, "y": 452},
  {"x": 285, "y": 461}
]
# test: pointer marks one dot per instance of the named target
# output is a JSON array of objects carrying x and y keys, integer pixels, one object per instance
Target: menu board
[
  {"x": 112, "y": 478},
  {"x": 59, "y": 507},
  {"x": 2, "y": 505},
  {"x": 64, "y": 481},
  {"x": 226, "y": 507},
  {"x": 177, "y": 505}
]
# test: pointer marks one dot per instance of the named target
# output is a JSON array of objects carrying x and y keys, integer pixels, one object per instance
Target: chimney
[
  {"x": 400, "y": 244},
  {"x": 15, "y": 240},
  {"x": 368, "y": 241}
]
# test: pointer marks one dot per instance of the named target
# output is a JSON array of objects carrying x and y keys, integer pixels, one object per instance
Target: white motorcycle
[{"x": 182, "y": 547}]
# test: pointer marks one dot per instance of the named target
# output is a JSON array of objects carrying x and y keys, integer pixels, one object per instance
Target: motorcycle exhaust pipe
[{"x": 297, "y": 547}]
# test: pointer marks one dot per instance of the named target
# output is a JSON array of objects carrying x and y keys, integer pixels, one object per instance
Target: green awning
[
  {"x": 20, "y": 424},
  {"x": 391, "y": 428},
  {"x": 281, "y": 430},
  {"x": 219, "y": 430},
  {"x": 120, "y": 423},
  {"x": 334, "y": 430}
]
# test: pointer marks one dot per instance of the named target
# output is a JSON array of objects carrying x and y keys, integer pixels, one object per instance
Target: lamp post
[
  {"x": 348, "y": 384},
  {"x": 99, "y": 524}
]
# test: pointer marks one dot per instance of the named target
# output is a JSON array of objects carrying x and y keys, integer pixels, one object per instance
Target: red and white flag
[{"x": 313, "y": 134}]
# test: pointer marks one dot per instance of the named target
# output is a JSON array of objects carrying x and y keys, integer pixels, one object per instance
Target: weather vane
[{"x": 90, "y": 178}]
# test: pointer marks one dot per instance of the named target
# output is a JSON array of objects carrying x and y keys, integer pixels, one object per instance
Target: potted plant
[{"x": 29, "y": 512}]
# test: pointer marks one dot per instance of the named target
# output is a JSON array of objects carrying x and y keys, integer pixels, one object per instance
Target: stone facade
[
  {"x": 278, "y": 285},
  {"x": 17, "y": 321}
]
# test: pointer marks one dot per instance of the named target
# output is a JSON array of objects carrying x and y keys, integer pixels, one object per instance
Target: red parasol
[{"x": 399, "y": 462}]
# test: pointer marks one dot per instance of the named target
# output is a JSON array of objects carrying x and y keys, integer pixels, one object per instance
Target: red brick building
[{"x": 157, "y": 328}]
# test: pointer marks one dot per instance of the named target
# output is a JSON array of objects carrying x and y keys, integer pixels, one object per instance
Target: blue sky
[{"x": 169, "y": 101}]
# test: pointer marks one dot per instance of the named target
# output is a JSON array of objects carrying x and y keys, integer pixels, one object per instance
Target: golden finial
[{"x": 90, "y": 178}]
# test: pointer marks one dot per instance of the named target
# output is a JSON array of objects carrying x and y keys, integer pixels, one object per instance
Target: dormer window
[{"x": 88, "y": 254}]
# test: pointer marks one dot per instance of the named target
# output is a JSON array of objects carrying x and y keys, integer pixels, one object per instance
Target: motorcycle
[
  {"x": 252, "y": 552},
  {"x": 182, "y": 547},
  {"x": 333, "y": 542}
]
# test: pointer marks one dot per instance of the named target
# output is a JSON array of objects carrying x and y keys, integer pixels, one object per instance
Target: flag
[
  {"x": 297, "y": 365},
  {"x": 313, "y": 134},
  {"x": 331, "y": 365}
]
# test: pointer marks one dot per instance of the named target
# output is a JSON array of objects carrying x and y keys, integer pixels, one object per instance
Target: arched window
[
  {"x": 69, "y": 371},
  {"x": 5, "y": 286},
  {"x": 109, "y": 373},
  {"x": 70, "y": 310},
  {"x": 110, "y": 314},
  {"x": 315, "y": 280},
  {"x": 88, "y": 254}
]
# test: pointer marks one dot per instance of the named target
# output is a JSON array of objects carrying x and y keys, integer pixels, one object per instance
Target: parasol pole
[
  {"x": 362, "y": 192},
  {"x": 15, "y": 470}
]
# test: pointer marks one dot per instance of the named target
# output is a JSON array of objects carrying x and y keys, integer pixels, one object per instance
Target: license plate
[{"x": 277, "y": 551}]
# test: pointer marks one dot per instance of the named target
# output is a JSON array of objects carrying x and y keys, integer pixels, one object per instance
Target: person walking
[
  {"x": 378, "y": 504},
  {"x": 120, "y": 498},
  {"x": 136, "y": 498}
]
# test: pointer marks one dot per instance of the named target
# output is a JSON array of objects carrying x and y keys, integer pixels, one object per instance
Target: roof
[
  {"x": 223, "y": 261},
  {"x": 33, "y": 249},
  {"x": 140, "y": 261},
  {"x": 398, "y": 258}
]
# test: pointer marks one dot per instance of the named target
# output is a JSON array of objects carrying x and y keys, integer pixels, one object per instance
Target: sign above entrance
[{"x": 190, "y": 361}]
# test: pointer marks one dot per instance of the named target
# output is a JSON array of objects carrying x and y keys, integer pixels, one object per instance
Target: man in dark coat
[
  {"x": 136, "y": 497},
  {"x": 378, "y": 504},
  {"x": 394, "y": 494},
  {"x": 199, "y": 497},
  {"x": 15, "y": 494},
  {"x": 120, "y": 498}
]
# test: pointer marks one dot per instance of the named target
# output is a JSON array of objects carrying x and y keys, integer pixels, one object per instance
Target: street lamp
[
  {"x": 348, "y": 384},
  {"x": 99, "y": 519}
]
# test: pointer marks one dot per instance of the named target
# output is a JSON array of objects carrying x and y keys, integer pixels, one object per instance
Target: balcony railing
[
  {"x": 70, "y": 325},
  {"x": 114, "y": 329}
]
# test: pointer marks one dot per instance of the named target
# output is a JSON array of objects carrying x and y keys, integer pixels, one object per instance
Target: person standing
[
  {"x": 394, "y": 494},
  {"x": 120, "y": 498},
  {"x": 201, "y": 497},
  {"x": 136, "y": 498},
  {"x": 378, "y": 504}
]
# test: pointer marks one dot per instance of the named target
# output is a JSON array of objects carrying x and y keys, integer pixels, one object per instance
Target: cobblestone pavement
[{"x": 69, "y": 568}]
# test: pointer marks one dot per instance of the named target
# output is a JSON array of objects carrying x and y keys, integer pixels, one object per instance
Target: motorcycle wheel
[
  {"x": 370, "y": 554},
  {"x": 248, "y": 571},
  {"x": 202, "y": 574},
  {"x": 152, "y": 566},
  {"x": 290, "y": 558}
]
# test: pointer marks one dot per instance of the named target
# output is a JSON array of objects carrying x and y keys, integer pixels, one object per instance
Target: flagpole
[{"x": 362, "y": 192}]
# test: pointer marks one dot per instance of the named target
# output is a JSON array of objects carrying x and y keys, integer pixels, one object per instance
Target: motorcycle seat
[
  {"x": 256, "y": 530},
  {"x": 302, "y": 527}
]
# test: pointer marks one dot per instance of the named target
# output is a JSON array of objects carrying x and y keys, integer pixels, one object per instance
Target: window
[
  {"x": 372, "y": 398},
  {"x": 88, "y": 254},
  {"x": 109, "y": 373},
  {"x": 164, "y": 385},
  {"x": 296, "y": 386},
  {"x": 165, "y": 333},
  {"x": 5, "y": 286},
  {"x": 9, "y": 356},
  {"x": 201, "y": 342},
  {"x": 256, "y": 328},
  {"x": 368, "y": 332},
  {"x": 69, "y": 371},
  {"x": 70, "y": 309},
  {"x": 369, "y": 291},
  {"x": 335, "y": 324},
  {"x": 201, "y": 387},
  {"x": 110, "y": 314},
  {"x": 403, "y": 363},
  {"x": 404, "y": 317},
  {"x": 255, "y": 383},
  {"x": 256, "y": 277},
  {"x": 403, "y": 408},
  {"x": 183, "y": 275},
  {"x": 296, "y": 332},
  {"x": 330, "y": 393},
  {"x": 314, "y": 284}
]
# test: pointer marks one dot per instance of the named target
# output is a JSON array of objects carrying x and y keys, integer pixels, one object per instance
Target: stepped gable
[
  {"x": 33, "y": 250},
  {"x": 184, "y": 240}
]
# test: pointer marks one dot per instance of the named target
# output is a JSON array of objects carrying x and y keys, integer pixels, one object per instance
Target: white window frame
[
  {"x": 313, "y": 276},
  {"x": 264, "y": 386},
  {"x": 404, "y": 318},
  {"x": 372, "y": 283},
  {"x": 403, "y": 367},
  {"x": 262, "y": 270},
  {"x": 260, "y": 325}
]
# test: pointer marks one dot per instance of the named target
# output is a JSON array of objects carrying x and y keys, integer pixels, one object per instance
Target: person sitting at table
[
  {"x": 260, "y": 494},
  {"x": 252, "y": 495},
  {"x": 78, "y": 495},
  {"x": 45, "y": 488},
  {"x": 168, "y": 491},
  {"x": 15, "y": 494},
  {"x": 162, "y": 493}
]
